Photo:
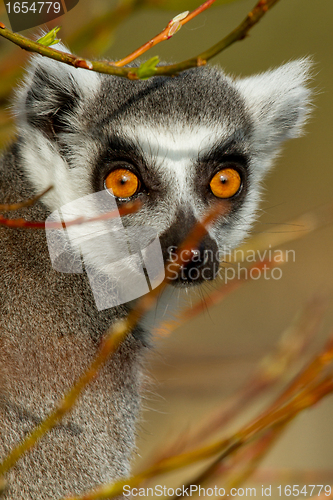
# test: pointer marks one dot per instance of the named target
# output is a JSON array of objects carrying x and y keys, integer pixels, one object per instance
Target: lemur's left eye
[
  {"x": 122, "y": 183},
  {"x": 226, "y": 183}
]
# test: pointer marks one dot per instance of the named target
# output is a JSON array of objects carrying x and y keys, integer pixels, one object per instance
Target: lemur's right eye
[{"x": 122, "y": 183}]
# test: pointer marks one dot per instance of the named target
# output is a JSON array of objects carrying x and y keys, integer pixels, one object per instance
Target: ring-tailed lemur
[{"x": 176, "y": 144}]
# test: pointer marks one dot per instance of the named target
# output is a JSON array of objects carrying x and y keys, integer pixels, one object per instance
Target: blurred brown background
[{"x": 204, "y": 362}]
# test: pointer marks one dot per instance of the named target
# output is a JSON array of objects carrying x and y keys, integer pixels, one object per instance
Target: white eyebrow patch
[{"x": 178, "y": 143}]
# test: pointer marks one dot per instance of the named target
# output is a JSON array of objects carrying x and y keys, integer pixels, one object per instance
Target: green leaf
[
  {"x": 50, "y": 38},
  {"x": 148, "y": 68}
]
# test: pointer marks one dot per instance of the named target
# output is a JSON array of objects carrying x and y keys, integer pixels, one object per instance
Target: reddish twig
[
  {"x": 253, "y": 455},
  {"x": 270, "y": 371},
  {"x": 303, "y": 388},
  {"x": 24, "y": 204},
  {"x": 129, "y": 208},
  {"x": 171, "y": 29}
]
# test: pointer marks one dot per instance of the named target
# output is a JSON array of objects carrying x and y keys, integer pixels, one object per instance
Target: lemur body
[{"x": 74, "y": 127}]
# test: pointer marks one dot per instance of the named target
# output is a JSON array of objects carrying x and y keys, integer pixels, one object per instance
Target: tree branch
[{"x": 239, "y": 33}]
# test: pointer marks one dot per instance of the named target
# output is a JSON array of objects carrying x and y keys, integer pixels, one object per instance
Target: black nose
[
  {"x": 198, "y": 264},
  {"x": 200, "y": 256},
  {"x": 195, "y": 266},
  {"x": 194, "y": 258}
]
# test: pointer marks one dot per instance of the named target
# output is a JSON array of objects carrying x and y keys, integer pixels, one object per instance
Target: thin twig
[
  {"x": 254, "y": 455},
  {"x": 90, "y": 37},
  {"x": 126, "y": 209},
  {"x": 24, "y": 204},
  {"x": 269, "y": 372},
  {"x": 303, "y": 381},
  {"x": 171, "y": 29},
  {"x": 302, "y": 388},
  {"x": 258, "y": 449},
  {"x": 307, "y": 398},
  {"x": 239, "y": 33}
]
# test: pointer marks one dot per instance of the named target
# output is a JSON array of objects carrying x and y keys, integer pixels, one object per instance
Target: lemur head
[{"x": 177, "y": 144}]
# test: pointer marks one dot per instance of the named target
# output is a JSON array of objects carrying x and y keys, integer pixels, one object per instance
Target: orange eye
[
  {"x": 225, "y": 183},
  {"x": 122, "y": 183}
]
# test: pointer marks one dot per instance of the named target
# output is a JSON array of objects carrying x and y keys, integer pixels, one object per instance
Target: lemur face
[
  {"x": 179, "y": 173},
  {"x": 179, "y": 145}
]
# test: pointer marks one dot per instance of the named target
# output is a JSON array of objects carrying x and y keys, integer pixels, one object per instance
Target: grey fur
[{"x": 50, "y": 328}]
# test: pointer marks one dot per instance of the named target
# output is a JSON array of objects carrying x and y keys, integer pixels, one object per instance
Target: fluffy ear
[
  {"x": 51, "y": 93},
  {"x": 278, "y": 102}
]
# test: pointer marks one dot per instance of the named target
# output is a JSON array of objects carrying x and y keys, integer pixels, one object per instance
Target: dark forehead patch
[{"x": 200, "y": 96}]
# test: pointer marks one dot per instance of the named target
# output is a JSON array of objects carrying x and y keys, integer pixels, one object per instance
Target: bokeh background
[{"x": 202, "y": 363}]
